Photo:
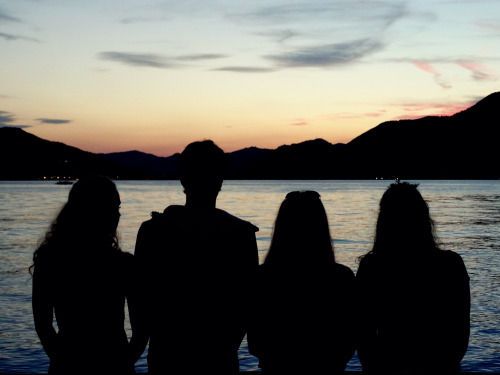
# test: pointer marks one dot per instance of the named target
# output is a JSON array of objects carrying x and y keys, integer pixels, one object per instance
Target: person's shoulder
[
  {"x": 157, "y": 219},
  {"x": 235, "y": 223},
  {"x": 124, "y": 258},
  {"x": 451, "y": 259},
  {"x": 368, "y": 260},
  {"x": 343, "y": 271}
]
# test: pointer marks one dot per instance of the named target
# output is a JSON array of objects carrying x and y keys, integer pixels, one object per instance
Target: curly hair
[
  {"x": 89, "y": 217},
  {"x": 404, "y": 222}
]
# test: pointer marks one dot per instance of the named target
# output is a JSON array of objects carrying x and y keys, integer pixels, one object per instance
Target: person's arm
[
  {"x": 461, "y": 306},
  {"x": 367, "y": 327},
  {"x": 43, "y": 311},
  {"x": 251, "y": 265},
  {"x": 137, "y": 300},
  {"x": 352, "y": 317}
]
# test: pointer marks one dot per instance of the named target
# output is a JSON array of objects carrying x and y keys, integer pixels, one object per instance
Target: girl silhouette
[
  {"x": 81, "y": 276},
  {"x": 415, "y": 297},
  {"x": 306, "y": 315}
]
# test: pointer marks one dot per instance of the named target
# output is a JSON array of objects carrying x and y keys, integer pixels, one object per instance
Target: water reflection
[{"x": 467, "y": 214}]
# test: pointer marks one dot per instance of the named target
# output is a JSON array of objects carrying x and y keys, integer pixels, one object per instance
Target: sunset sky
[{"x": 154, "y": 75}]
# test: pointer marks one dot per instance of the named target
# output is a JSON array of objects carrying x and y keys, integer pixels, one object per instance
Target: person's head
[
  {"x": 404, "y": 223},
  {"x": 301, "y": 232},
  {"x": 88, "y": 219},
  {"x": 202, "y": 170}
]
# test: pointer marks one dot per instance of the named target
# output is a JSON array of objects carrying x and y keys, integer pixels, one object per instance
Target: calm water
[{"x": 467, "y": 214}]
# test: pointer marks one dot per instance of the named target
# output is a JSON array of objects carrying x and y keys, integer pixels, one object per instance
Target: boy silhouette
[{"x": 197, "y": 265}]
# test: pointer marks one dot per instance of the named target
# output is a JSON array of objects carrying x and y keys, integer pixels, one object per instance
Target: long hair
[
  {"x": 404, "y": 224},
  {"x": 301, "y": 232},
  {"x": 87, "y": 221}
]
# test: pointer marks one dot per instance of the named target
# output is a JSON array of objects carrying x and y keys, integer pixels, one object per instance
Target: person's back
[
  {"x": 305, "y": 323},
  {"x": 305, "y": 319},
  {"x": 83, "y": 279},
  {"x": 419, "y": 309},
  {"x": 415, "y": 297},
  {"x": 198, "y": 265},
  {"x": 88, "y": 299}
]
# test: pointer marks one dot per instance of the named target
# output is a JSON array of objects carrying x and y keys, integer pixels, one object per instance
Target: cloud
[
  {"x": 490, "y": 25},
  {"x": 353, "y": 115},
  {"x": 478, "y": 71},
  {"x": 429, "y": 68},
  {"x": 12, "y": 37},
  {"x": 280, "y": 36},
  {"x": 244, "y": 69},
  {"x": 52, "y": 121},
  {"x": 136, "y": 59},
  {"x": 327, "y": 55},
  {"x": 383, "y": 12},
  {"x": 15, "y": 126},
  {"x": 132, "y": 20},
  {"x": 5, "y": 17},
  {"x": 299, "y": 122},
  {"x": 432, "y": 108},
  {"x": 200, "y": 56},
  {"x": 7, "y": 120}
]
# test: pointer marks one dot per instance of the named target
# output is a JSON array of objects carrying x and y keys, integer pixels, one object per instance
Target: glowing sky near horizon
[{"x": 155, "y": 75}]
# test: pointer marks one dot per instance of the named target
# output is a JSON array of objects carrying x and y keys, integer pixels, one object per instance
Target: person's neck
[{"x": 198, "y": 204}]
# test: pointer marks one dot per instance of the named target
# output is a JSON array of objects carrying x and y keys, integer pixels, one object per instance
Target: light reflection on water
[{"x": 467, "y": 214}]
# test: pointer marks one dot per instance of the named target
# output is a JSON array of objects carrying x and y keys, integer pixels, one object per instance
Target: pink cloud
[
  {"x": 352, "y": 115},
  {"x": 428, "y": 68},
  {"x": 419, "y": 110},
  {"x": 479, "y": 72}
]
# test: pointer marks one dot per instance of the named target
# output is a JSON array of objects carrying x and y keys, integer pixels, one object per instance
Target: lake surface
[{"x": 467, "y": 216}]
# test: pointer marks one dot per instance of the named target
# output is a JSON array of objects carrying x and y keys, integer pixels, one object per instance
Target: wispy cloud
[
  {"x": 300, "y": 122},
  {"x": 383, "y": 12},
  {"x": 52, "y": 121},
  {"x": 149, "y": 60},
  {"x": 244, "y": 69},
  {"x": 6, "y": 17},
  {"x": 13, "y": 37},
  {"x": 327, "y": 55},
  {"x": 8, "y": 120},
  {"x": 132, "y": 20},
  {"x": 200, "y": 57},
  {"x": 489, "y": 25},
  {"x": 478, "y": 71},
  {"x": 280, "y": 36},
  {"x": 432, "y": 108},
  {"x": 430, "y": 69},
  {"x": 353, "y": 115}
]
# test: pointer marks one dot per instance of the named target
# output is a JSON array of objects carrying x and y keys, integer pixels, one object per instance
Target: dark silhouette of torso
[
  {"x": 197, "y": 271},
  {"x": 305, "y": 319},
  {"x": 88, "y": 297},
  {"x": 415, "y": 313}
]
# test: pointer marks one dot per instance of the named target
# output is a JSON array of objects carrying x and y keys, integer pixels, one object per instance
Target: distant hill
[
  {"x": 464, "y": 145},
  {"x": 26, "y": 156}
]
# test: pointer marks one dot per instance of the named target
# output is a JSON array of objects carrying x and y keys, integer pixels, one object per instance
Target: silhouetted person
[
  {"x": 305, "y": 321},
  {"x": 198, "y": 263},
  {"x": 81, "y": 276},
  {"x": 415, "y": 298}
]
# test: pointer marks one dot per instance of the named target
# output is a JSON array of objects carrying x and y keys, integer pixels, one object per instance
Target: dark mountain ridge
[{"x": 464, "y": 145}]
